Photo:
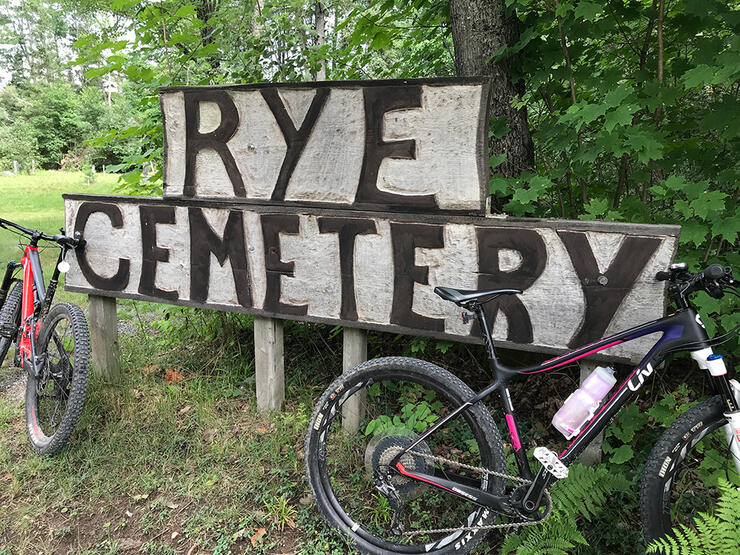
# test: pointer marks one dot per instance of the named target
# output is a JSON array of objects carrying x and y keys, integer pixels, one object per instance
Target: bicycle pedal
[{"x": 551, "y": 462}]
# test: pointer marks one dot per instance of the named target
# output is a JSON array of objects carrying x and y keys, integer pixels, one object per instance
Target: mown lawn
[{"x": 35, "y": 201}]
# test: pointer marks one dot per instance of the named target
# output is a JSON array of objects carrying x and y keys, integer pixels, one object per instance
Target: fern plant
[
  {"x": 582, "y": 494},
  {"x": 711, "y": 533}
]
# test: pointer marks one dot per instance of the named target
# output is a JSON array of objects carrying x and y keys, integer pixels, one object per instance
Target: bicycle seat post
[{"x": 480, "y": 314}]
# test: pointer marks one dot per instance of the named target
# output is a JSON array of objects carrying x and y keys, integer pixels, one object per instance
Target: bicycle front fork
[
  {"x": 7, "y": 280},
  {"x": 732, "y": 428}
]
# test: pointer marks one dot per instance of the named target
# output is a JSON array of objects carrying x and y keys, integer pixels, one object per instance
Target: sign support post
[
  {"x": 268, "y": 363},
  {"x": 354, "y": 352},
  {"x": 104, "y": 337}
]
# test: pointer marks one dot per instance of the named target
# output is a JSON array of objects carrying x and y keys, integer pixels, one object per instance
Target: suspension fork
[{"x": 7, "y": 280}]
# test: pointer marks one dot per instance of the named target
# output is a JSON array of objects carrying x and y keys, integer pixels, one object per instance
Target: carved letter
[
  {"x": 151, "y": 254},
  {"x": 533, "y": 251},
  {"x": 295, "y": 139},
  {"x": 119, "y": 281},
  {"x": 405, "y": 238},
  {"x": 378, "y": 101},
  {"x": 195, "y": 141},
  {"x": 603, "y": 300},
  {"x": 272, "y": 226},
  {"x": 204, "y": 241},
  {"x": 348, "y": 229}
]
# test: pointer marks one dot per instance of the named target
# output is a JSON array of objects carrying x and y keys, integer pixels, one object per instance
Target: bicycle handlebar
[
  {"x": 712, "y": 280},
  {"x": 60, "y": 239}
]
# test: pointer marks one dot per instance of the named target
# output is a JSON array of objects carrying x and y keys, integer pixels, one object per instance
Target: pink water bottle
[{"x": 580, "y": 407}]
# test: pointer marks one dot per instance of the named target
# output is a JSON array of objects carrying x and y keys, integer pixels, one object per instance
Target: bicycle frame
[
  {"x": 35, "y": 303},
  {"x": 682, "y": 330}
]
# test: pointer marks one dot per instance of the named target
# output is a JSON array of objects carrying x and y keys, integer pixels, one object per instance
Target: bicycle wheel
[
  {"x": 10, "y": 319},
  {"x": 680, "y": 476},
  {"x": 54, "y": 400},
  {"x": 401, "y": 398}
]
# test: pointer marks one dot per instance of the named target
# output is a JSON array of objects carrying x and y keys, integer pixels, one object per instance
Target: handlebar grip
[
  {"x": 714, "y": 272},
  {"x": 663, "y": 276}
]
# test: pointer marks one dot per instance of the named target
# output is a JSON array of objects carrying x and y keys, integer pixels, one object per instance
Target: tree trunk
[
  {"x": 480, "y": 28},
  {"x": 320, "y": 22}
]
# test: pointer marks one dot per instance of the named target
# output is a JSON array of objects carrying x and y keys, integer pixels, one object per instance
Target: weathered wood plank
[
  {"x": 416, "y": 144},
  {"x": 268, "y": 363},
  {"x": 354, "y": 352},
  {"x": 106, "y": 358},
  {"x": 580, "y": 280}
]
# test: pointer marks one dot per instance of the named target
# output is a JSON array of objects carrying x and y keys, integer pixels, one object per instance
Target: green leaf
[
  {"x": 185, "y": 11},
  {"x": 710, "y": 201},
  {"x": 499, "y": 186},
  {"x": 728, "y": 228},
  {"x": 562, "y": 9},
  {"x": 674, "y": 183},
  {"x": 590, "y": 112},
  {"x": 595, "y": 208},
  {"x": 646, "y": 145},
  {"x": 700, "y": 74},
  {"x": 621, "y": 116},
  {"x": 622, "y": 454},
  {"x": 616, "y": 96},
  {"x": 496, "y": 160},
  {"x": 693, "y": 232},
  {"x": 588, "y": 10}
]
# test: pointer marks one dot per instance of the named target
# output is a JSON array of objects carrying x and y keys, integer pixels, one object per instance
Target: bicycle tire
[
  {"x": 10, "y": 314},
  {"x": 343, "y": 515},
  {"x": 69, "y": 384},
  {"x": 675, "y": 487}
]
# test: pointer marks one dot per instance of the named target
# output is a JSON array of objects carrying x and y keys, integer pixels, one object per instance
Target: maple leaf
[{"x": 588, "y": 10}]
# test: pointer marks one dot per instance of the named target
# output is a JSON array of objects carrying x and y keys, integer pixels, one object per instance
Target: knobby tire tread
[
  {"x": 405, "y": 366},
  {"x": 53, "y": 444},
  {"x": 10, "y": 313},
  {"x": 654, "y": 501}
]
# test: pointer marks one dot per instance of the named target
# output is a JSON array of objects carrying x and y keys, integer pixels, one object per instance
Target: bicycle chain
[{"x": 482, "y": 470}]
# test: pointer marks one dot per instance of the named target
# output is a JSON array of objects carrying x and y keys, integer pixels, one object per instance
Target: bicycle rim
[{"x": 394, "y": 412}]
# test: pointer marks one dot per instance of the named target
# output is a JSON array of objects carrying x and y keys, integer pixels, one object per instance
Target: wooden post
[
  {"x": 268, "y": 363},
  {"x": 354, "y": 353},
  {"x": 592, "y": 454},
  {"x": 106, "y": 358}
]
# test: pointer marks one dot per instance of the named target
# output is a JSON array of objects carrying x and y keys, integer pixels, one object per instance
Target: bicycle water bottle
[{"x": 581, "y": 405}]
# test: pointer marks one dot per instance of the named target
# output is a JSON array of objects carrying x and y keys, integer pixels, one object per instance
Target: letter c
[{"x": 119, "y": 281}]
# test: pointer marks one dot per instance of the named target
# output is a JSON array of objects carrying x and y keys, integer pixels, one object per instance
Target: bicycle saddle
[{"x": 463, "y": 296}]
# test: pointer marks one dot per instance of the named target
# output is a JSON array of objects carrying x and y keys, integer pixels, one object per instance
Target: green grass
[
  {"x": 172, "y": 466},
  {"x": 35, "y": 201}
]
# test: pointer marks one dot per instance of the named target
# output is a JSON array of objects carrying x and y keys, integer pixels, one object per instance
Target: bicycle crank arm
[{"x": 499, "y": 503}]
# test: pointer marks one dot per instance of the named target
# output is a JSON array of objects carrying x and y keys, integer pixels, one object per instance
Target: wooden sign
[
  {"x": 581, "y": 280},
  {"x": 417, "y": 145}
]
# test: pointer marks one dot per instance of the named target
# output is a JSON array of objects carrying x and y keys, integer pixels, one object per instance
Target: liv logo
[{"x": 636, "y": 382}]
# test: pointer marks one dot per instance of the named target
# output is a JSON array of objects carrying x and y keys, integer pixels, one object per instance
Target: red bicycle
[{"x": 52, "y": 343}]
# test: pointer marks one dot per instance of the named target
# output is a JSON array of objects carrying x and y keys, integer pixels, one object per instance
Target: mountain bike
[
  {"x": 52, "y": 343},
  {"x": 426, "y": 472}
]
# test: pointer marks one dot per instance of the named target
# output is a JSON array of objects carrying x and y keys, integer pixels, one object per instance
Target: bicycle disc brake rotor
[{"x": 381, "y": 450}]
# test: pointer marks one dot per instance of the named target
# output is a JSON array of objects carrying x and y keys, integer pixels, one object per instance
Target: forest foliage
[{"x": 633, "y": 105}]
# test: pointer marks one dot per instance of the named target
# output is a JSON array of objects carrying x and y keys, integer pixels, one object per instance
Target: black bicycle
[
  {"x": 426, "y": 471},
  {"x": 52, "y": 342}
]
